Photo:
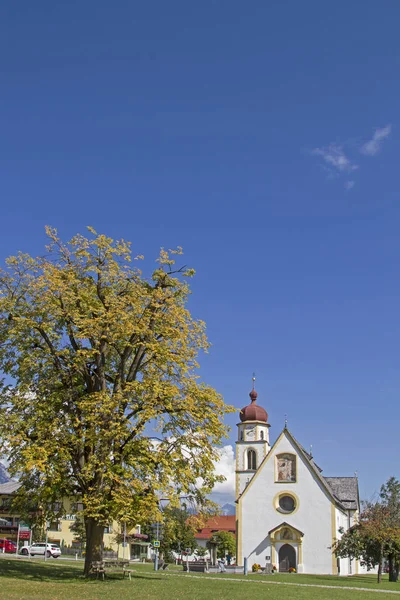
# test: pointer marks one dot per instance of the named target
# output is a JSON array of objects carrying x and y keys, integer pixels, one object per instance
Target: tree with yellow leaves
[{"x": 98, "y": 361}]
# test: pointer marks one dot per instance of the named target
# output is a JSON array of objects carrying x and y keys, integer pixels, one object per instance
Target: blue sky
[{"x": 261, "y": 137}]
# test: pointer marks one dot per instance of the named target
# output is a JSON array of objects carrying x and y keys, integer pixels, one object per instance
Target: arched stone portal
[{"x": 287, "y": 558}]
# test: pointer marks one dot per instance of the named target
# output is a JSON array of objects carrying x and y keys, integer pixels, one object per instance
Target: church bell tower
[{"x": 253, "y": 441}]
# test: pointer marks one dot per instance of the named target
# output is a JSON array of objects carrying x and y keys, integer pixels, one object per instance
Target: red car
[{"x": 7, "y": 546}]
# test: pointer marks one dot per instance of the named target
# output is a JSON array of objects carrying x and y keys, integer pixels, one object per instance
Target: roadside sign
[
  {"x": 24, "y": 534},
  {"x": 156, "y": 543}
]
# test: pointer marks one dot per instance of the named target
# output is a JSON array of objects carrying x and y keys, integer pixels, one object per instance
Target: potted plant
[{"x": 292, "y": 570}]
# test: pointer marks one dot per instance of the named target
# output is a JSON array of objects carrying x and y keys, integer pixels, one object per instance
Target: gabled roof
[
  {"x": 285, "y": 524},
  {"x": 214, "y": 524},
  {"x": 311, "y": 459},
  {"x": 308, "y": 460},
  {"x": 315, "y": 468},
  {"x": 346, "y": 491}
]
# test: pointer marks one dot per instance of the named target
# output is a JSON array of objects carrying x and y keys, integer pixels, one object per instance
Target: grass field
[{"x": 61, "y": 580}]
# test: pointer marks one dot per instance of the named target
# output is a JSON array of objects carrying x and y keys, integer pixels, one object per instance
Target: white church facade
[{"x": 288, "y": 514}]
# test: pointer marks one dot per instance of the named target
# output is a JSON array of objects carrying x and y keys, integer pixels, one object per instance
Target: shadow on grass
[
  {"x": 58, "y": 572},
  {"x": 38, "y": 571}
]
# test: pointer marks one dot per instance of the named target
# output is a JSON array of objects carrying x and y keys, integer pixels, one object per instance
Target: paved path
[{"x": 269, "y": 581}]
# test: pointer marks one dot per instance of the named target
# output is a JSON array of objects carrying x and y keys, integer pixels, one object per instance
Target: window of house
[
  {"x": 251, "y": 460},
  {"x": 6, "y": 504},
  {"x": 286, "y": 468}
]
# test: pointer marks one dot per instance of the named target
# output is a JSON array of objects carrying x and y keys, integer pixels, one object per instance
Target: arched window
[
  {"x": 261, "y": 435},
  {"x": 251, "y": 460},
  {"x": 241, "y": 436}
]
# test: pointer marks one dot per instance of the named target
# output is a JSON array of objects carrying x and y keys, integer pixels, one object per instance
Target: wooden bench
[
  {"x": 199, "y": 566},
  {"x": 98, "y": 568},
  {"x": 127, "y": 572},
  {"x": 103, "y": 567}
]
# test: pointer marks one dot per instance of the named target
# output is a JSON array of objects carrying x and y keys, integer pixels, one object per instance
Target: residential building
[{"x": 59, "y": 530}]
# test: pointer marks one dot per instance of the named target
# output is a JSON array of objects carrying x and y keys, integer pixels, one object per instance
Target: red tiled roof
[{"x": 224, "y": 523}]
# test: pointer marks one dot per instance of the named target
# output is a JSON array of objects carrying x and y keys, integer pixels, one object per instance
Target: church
[{"x": 288, "y": 514}]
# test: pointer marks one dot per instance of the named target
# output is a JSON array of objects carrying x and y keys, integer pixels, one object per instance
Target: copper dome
[{"x": 253, "y": 412}]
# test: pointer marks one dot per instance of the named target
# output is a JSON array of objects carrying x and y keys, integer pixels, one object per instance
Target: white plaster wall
[
  {"x": 342, "y": 520},
  {"x": 313, "y": 516},
  {"x": 243, "y": 479}
]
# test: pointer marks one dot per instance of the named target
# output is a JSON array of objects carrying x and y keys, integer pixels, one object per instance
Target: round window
[{"x": 287, "y": 504}]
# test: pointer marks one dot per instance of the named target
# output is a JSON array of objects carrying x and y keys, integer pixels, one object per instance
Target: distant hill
[
  {"x": 4, "y": 477},
  {"x": 228, "y": 509}
]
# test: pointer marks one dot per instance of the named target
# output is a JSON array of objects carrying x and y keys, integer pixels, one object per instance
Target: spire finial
[
  {"x": 285, "y": 421},
  {"x": 310, "y": 453},
  {"x": 253, "y": 394}
]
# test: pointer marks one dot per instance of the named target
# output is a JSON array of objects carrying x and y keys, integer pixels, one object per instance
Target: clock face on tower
[{"x": 251, "y": 432}]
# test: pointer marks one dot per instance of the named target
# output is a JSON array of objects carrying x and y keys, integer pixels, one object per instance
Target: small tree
[
  {"x": 377, "y": 533},
  {"x": 178, "y": 530},
  {"x": 226, "y": 543},
  {"x": 390, "y": 497}
]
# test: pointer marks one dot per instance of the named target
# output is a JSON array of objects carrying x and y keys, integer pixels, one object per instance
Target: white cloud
[
  {"x": 349, "y": 185},
  {"x": 226, "y": 466},
  {"x": 335, "y": 157},
  {"x": 374, "y": 145}
]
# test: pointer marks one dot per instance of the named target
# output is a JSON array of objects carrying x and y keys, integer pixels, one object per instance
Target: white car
[{"x": 40, "y": 548}]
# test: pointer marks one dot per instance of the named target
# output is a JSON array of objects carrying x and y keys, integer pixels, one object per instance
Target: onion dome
[{"x": 253, "y": 412}]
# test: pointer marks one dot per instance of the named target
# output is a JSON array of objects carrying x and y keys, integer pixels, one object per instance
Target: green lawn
[{"x": 61, "y": 580}]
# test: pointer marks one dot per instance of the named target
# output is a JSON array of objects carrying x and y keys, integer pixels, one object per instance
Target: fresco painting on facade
[{"x": 286, "y": 467}]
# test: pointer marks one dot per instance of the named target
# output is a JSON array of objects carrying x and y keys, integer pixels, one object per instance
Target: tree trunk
[
  {"x": 393, "y": 569},
  {"x": 94, "y": 543},
  {"x": 380, "y": 572},
  {"x": 380, "y": 564}
]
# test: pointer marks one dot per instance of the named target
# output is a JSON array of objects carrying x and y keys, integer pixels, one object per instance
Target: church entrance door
[{"x": 287, "y": 558}]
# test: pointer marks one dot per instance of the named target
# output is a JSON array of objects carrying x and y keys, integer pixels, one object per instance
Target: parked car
[
  {"x": 40, "y": 548},
  {"x": 7, "y": 546}
]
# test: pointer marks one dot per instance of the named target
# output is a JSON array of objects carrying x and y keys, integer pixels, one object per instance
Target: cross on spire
[
  {"x": 254, "y": 380},
  {"x": 285, "y": 421}
]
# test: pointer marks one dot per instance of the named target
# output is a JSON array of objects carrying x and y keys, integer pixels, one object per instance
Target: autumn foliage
[{"x": 102, "y": 402}]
